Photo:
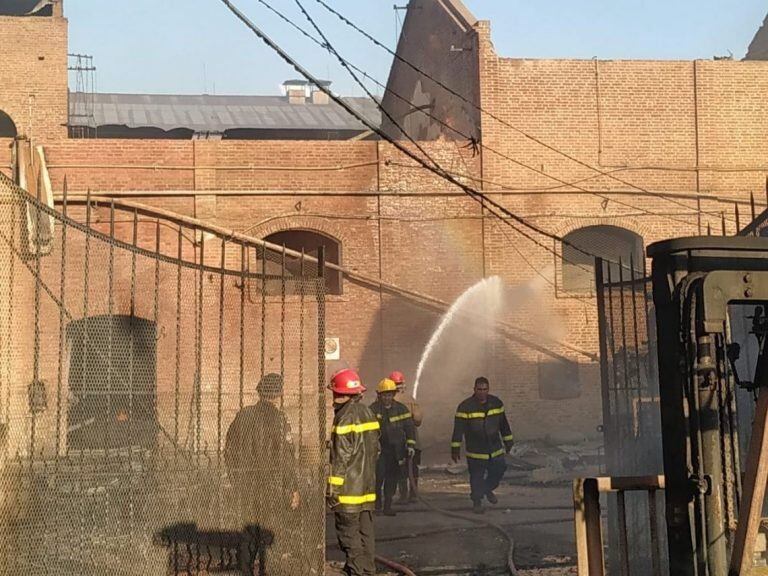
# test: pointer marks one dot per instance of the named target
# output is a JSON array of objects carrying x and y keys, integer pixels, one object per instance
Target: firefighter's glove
[
  {"x": 455, "y": 454},
  {"x": 331, "y": 501},
  {"x": 508, "y": 445},
  {"x": 411, "y": 451}
]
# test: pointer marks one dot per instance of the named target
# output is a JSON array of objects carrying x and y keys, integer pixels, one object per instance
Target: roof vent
[
  {"x": 318, "y": 96},
  {"x": 296, "y": 91}
]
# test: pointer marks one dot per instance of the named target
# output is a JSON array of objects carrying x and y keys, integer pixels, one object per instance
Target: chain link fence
[{"x": 162, "y": 408}]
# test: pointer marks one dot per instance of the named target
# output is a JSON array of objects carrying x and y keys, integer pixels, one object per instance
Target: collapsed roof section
[
  {"x": 758, "y": 49},
  {"x": 28, "y": 7},
  {"x": 439, "y": 38}
]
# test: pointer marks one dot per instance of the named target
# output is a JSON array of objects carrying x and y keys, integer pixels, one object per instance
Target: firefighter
[
  {"x": 410, "y": 479},
  {"x": 352, "y": 482},
  {"x": 397, "y": 443},
  {"x": 482, "y": 424},
  {"x": 261, "y": 462}
]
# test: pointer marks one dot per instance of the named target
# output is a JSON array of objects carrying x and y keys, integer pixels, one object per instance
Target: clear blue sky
[{"x": 196, "y": 46}]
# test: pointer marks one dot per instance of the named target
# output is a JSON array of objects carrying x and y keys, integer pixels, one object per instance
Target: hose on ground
[
  {"x": 474, "y": 519},
  {"x": 404, "y": 570}
]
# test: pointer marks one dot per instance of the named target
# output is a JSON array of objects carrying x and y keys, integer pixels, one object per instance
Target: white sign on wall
[{"x": 332, "y": 349}]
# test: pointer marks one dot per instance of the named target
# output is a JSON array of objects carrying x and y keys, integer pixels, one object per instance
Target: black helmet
[{"x": 270, "y": 386}]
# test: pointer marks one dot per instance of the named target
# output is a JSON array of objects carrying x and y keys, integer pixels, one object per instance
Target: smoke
[{"x": 467, "y": 343}]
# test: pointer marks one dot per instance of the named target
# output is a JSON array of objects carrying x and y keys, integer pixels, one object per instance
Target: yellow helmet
[{"x": 386, "y": 385}]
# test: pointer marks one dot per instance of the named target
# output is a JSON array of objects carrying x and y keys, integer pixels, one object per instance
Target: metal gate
[
  {"x": 162, "y": 408},
  {"x": 630, "y": 398}
]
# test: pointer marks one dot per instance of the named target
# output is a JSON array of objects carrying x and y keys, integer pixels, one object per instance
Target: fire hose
[
  {"x": 510, "y": 562},
  {"x": 405, "y": 571}
]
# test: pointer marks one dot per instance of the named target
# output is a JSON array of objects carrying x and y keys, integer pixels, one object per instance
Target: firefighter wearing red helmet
[
  {"x": 411, "y": 479},
  {"x": 352, "y": 482}
]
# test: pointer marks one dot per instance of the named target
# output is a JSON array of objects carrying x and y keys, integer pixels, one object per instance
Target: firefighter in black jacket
[
  {"x": 398, "y": 440},
  {"x": 352, "y": 482},
  {"x": 481, "y": 422}
]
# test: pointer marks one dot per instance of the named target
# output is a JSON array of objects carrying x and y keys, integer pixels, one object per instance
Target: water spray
[{"x": 491, "y": 288}]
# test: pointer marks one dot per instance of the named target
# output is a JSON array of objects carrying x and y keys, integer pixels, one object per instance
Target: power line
[
  {"x": 520, "y": 131},
  {"x": 333, "y": 50},
  {"x": 325, "y": 44},
  {"x": 477, "y": 196}
]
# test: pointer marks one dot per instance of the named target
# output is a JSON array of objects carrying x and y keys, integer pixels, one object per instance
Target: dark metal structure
[
  {"x": 630, "y": 398},
  {"x": 710, "y": 296}
]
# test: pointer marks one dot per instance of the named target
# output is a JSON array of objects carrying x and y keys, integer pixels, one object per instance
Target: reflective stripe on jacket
[
  {"x": 483, "y": 427},
  {"x": 397, "y": 428},
  {"x": 354, "y": 452}
]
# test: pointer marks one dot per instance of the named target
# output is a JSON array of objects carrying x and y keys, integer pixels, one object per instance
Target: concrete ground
[{"x": 538, "y": 518}]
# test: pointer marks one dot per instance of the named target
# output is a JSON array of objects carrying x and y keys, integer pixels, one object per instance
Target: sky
[{"x": 198, "y": 46}]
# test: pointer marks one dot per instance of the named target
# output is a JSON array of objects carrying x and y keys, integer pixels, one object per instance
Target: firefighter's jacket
[
  {"x": 259, "y": 451},
  {"x": 354, "y": 452},
  {"x": 483, "y": 427},
  {"x": 415, "y": 410},
  {"x": 397, "y": 428}
]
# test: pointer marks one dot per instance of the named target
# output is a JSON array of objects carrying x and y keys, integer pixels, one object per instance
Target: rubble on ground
[{"x": 544, "y": 462}]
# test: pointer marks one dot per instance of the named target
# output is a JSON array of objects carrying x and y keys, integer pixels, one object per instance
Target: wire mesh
[
  {"x": 630, "y": 391},
  {"x": 161, "y": 400}
]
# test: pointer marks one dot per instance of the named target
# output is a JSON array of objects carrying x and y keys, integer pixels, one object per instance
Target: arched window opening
[
  {"x": 7, "y": 126},
  {"x": 112, "y": 383},
  {"x": 310, "y": 242},
  {"x": 611, "y": 243}
]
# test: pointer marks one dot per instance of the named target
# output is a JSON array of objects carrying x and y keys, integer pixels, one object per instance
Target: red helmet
[
  {"x": 347, "y": 382},
  {"x": 397, "y": 376}
]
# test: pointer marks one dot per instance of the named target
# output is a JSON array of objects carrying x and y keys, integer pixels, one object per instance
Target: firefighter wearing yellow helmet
[{"x": 397, "y": 438}]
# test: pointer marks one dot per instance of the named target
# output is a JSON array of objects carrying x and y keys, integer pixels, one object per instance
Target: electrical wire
[
  {"x": 325, "y": 44},
  {"x": 332, "y": 50},
  {"x": 477, "y": 196},
  {"x": 435, "y": 166},
  {"x": 495, "y": 117}
]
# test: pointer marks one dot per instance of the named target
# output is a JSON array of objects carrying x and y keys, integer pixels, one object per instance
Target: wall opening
[
  {"x": 611, "y": 243},
  {"x": 559, "y": 380},
  {"x": 112, "y": 383},
  {"x": 7, "y": 126},
  {"x": 310, "y": 241}
]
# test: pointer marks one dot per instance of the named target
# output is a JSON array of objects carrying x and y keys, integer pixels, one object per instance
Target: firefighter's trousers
[
  {"x": 356, "y": 540},
  {"x": 485, "y": 475},
  {"x": 389, "y": 471}
]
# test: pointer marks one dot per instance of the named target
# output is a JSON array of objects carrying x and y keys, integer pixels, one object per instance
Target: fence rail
[{"x": 588, "y": 522}]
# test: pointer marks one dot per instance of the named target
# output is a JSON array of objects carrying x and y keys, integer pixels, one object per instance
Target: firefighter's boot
[{"x": 388, "y": 507}]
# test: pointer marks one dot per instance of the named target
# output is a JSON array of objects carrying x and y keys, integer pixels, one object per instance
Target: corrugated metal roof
[{"x": 219, "y": 113}]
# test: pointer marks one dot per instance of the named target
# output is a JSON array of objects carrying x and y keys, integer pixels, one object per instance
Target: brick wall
[
  {"x": 651, "y": 124},
  {"x": 648, "y": 123},
  {"x": 164, "y": 165},
  {"x": 33, "y": 75}
]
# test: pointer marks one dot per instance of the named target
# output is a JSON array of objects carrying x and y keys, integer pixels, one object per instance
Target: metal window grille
[{"x": 630, "y": 398}]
